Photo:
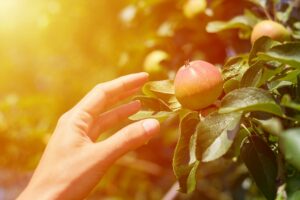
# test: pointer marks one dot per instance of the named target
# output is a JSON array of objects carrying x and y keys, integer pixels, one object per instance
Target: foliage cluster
[{"x": 257, "y": 123}]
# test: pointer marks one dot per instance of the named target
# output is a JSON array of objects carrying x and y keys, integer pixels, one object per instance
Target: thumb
[{"x": 129, "y": 138}]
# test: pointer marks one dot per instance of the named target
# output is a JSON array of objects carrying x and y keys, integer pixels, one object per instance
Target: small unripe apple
[
  {"x": 153, "y": 64},
  {"x": 198, "y": 84},
  {"x": 271, "y": 29}
]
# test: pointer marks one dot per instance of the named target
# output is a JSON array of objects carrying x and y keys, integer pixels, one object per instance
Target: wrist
[{"x": 39, "y": 191}]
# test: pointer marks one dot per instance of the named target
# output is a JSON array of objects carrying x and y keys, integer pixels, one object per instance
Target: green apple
[
  {"x": 153, "y": 66},
  {"x": 271, "y": 29}
]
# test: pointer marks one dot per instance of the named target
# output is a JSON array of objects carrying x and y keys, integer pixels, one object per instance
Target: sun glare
[{"x": 10, "y": 13}]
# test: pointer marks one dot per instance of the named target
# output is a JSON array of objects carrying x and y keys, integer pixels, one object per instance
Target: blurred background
[{"x": 52, "y": 52}]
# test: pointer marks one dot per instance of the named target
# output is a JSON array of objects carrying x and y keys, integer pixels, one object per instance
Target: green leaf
[
  {"x": 275, "y": 85},
  {"x": 230, "y": 85},
  {"x": 215, "y": 135},
  {"x": 152, "y": 103},
  {"x": 238, "y": 22},
  {"x": 296, "y": 34},
  {"x": 287, "y": 102},
  {"x": 284, "y": 16},
  {"x": 163, "y": 90},
  {"x": 261, "y": 163},
  {"x": 184, "y": 160},
  {"x": 152, "y": 107},
  {"x": 272, "y": 125},
  {"x": 260, "y": 73},
  {"x": 174, "y": 104},
  {"x": 223, "y": 142},
  {"x": 234, "y": 67},
  {"x": 145, "y": 114},
  {"x": 270, "y": 73},
  {"x": 159, "y": 87},
  {"x": 262, "y": 44},
  {"x": 295, "y": 196},
  {"x": 248, "y": 100},
  {"x": 288, "y": 53},
  {"x": 252, "y": 16},
  {"x": 234, "y": 151},
  {"x": 289, "y": 144},
  {"x": 233, "y": 71},
  {"x": 192, "y": 178},
  {"x": 286, "y": 78},
  {"x": 297, "y": 25},
  {"x": 293, "y": 184},
  {"x": 252, "y": 76}
]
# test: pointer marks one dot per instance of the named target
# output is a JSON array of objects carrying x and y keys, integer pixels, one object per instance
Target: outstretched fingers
[
  {"x": 128, "y": 138},
  {"x": 113, "y": 117},
  {"x": 106, "y": 94}
]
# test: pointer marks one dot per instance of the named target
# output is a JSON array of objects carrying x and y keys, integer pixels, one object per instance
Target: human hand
[{"x": 73, "y": 162}]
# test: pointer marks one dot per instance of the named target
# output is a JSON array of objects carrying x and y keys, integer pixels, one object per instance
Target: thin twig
[
  {"x": 274, "y": 12},
  {"x": 267, "y": 14},
  {"x": 243, "y": 125}
]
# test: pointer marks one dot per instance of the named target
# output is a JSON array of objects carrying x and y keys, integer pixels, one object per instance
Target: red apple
[
  {"x": 198, "y": 84},
  {"x": 271, "y": 29}
]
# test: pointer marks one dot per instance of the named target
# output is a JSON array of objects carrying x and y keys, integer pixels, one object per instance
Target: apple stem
[
  {"x": 187, "y": 63},
  {"x": 268, "y": 15}
]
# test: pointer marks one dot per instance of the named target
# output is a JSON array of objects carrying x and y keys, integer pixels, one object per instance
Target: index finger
[{"x": 108, "y": 93}]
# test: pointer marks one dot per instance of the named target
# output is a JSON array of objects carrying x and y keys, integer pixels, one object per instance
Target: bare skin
[{"x": 73, "y": 162}]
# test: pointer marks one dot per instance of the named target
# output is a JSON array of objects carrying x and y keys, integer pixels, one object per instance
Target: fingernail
[
  {"x": 144, "y": 74},
  {"x": 150, "y": 125},
  {"x": 136, "y": 102}
]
